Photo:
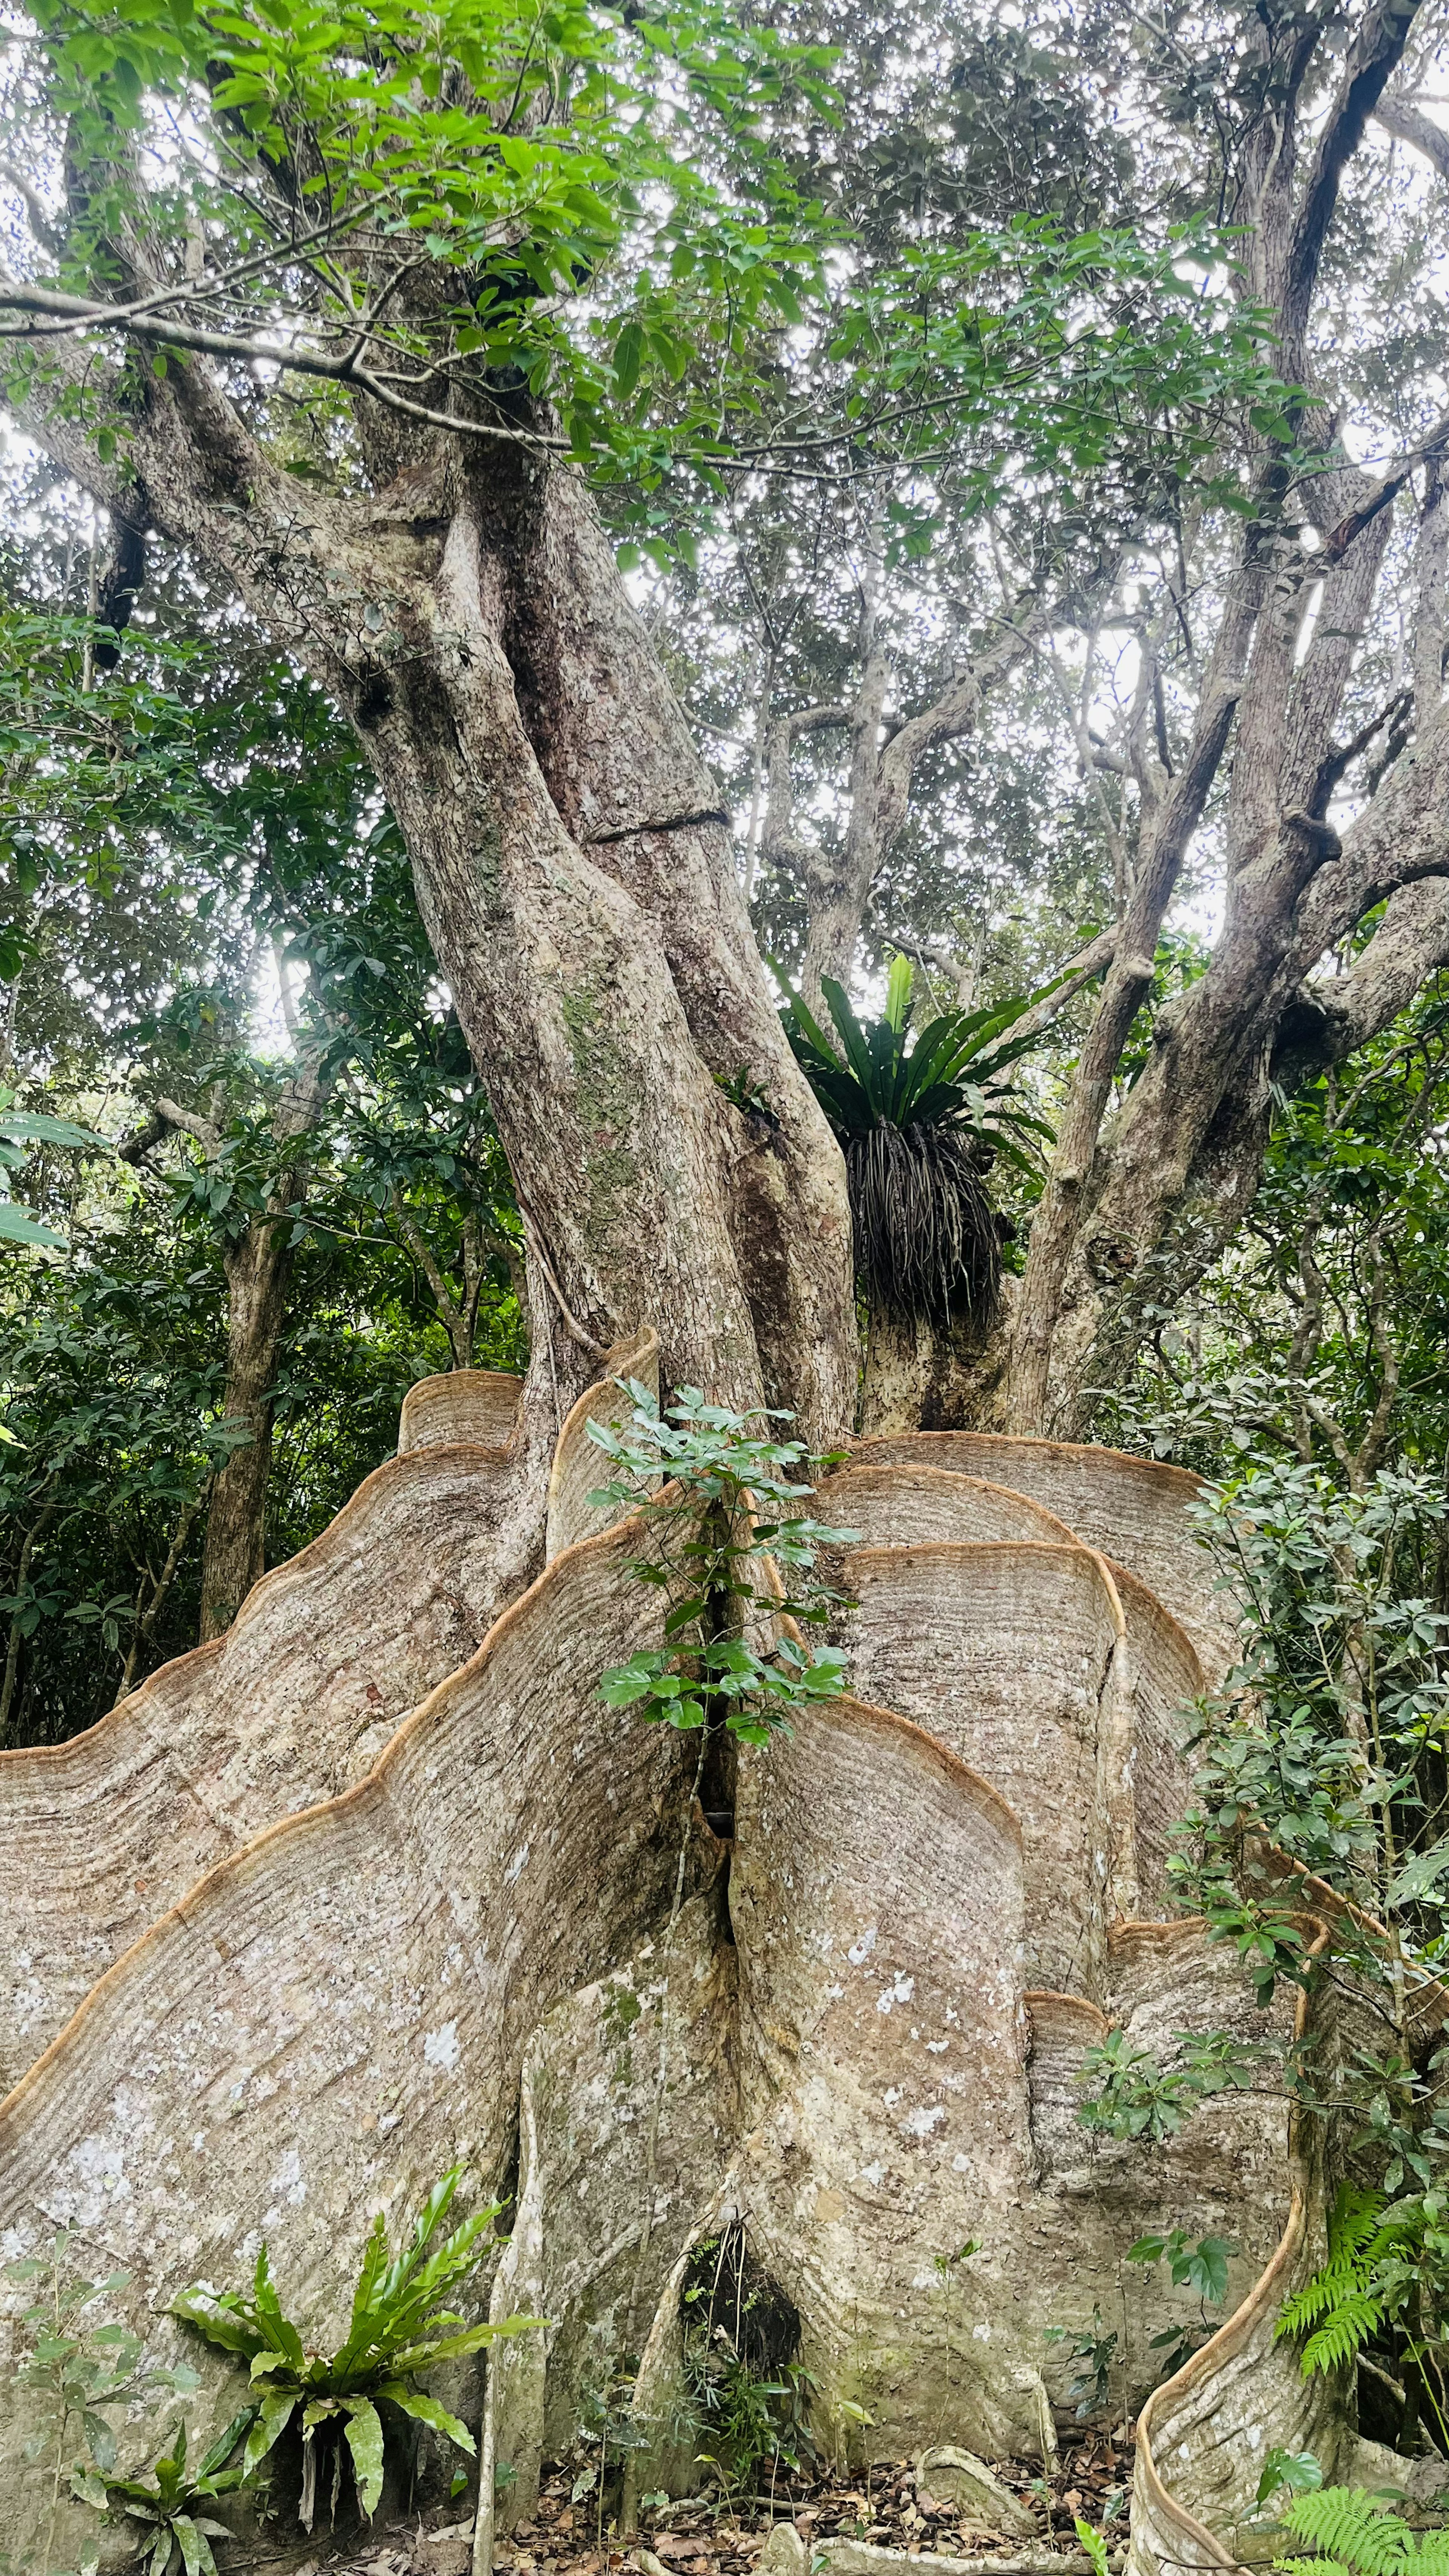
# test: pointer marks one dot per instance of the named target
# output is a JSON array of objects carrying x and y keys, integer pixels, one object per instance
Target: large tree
[{"x": 346, "y": 306}]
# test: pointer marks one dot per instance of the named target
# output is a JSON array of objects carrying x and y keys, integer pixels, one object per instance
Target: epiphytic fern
[
  {"x": 1355, "y": 2536},
  {"x": 1350, "y": 2298}
]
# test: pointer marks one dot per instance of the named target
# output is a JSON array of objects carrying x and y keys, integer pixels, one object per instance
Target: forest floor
[{"x": 708, "y": 2536}]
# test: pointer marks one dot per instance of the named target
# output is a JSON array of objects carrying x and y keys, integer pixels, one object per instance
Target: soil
[{"x": 714, "y": 2536}]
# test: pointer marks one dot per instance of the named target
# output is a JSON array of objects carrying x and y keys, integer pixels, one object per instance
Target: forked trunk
[{"x": 574, "y": 870}]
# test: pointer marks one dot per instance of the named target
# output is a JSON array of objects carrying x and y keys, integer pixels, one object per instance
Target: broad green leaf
[
  {"x": 274, "y": 2415},
  {"x": 226, "y": 2442},
  {"x": 195, "y": 2548},
  {"x": 364, "y": 2441},
  {"x": 898, "y": 993},
  {"x": 427, "y": 2410},
  {"x": 219, "y": 2324},
  {"x": 17, "y": 1227},
  {"x": 278, "y": 2329},
  {"x": 48, "y": 1131}
]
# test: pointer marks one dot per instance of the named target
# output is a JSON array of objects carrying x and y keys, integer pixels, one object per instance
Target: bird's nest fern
[{"x": 920, "y": 1125}]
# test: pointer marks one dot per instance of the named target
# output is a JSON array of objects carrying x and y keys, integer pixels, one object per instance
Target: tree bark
[
  {"x": 234, "y": 1556},
  {"x": 573, "y": 865},
  {"x": 573, "y": 869}
]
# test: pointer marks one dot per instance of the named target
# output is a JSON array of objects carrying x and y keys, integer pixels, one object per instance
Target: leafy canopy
[{"x": 490, "y": 206}]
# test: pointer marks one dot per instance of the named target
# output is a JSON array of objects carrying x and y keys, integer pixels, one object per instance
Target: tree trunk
[
  {"x": 921, "y": 1376},
  {"x": 574, "y": 870},
  {"x": 234, "y": 1557}
]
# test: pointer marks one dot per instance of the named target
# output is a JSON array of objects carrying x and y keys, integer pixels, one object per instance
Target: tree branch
[
  {"x": 170, "y": 332},
  {"x": 1410, "y": 944},
  {"x": 954, "y": 712},
  {"x": 1402, "y": 836},
  {"x": 1373, "y": 57},
  {"x": 1401, "y": 118},
  {"x": 165, "y": 1115}
]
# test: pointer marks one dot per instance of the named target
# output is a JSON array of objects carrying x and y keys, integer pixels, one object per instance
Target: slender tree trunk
[
  {"x": 234, "y": 1557},
  {"x": 144, "y": 1630},
  {"x": 10, "y": 1681}
]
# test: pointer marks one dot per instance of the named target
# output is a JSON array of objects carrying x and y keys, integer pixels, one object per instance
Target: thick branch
[
  {"x": 164, "y": 1116},
  {"x": 1410, "y": 944},
  {"x": 955, "y": 712},
  {"x": 1372, "y": 58},
  {"x": 1433, "y": 558},
  {"x": 1058, "y": 1218},
  {"x": 169, "y": 331},
  {"x": 1402, "y": 836},
  {"x": 1400, "y": 117}
]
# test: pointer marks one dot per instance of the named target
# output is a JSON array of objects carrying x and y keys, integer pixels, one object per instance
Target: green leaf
[
  {"x": 226, "y": 2442},
  {"x": 364, "y": 2441},
  {"x": 1093, "y": 2543},
  {"x": 898, "y": 994},
  {"x": 426, "y": 2410},
  {"x": 195, "y": 2548},
  {"x": 218, "y": 2321},
  {"x": 1297, "y": 2471},
  {"x": 26, "y": 1126},
  {"x": 278, "y": 2330},
  {"x": 17, "y": 1227},
  {"x": 628, "y": 356},
  {"x": 274, "y": 2415}
]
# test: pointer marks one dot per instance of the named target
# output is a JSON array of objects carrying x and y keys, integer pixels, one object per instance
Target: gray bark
[
  {"x": 574, "y": 873},
  {"x": 1150, "y": 1197}
]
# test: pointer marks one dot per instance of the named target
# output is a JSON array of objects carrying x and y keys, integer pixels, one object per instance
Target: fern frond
[
  {"x": 1346, "y": 2524},
  {"x": 1336, "y": 2281},
  {"x": 1338, "y": 2301},
  {"x": 1343, "y": 2334},
  {"x": 1311, "y": 2567},
  {"x": 1352, "y": 2221},
  {"x": 1432, "y": 2555}
]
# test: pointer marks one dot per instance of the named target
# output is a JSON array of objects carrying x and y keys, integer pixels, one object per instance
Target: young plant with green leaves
[
  {"x": 1327, "y": 1745},
  {"x": 76, "y": 2368},
  {"x": 920, "y": 1126},
  {"x": 749, "y": 2390},
  {"x": 170, "y": 2505},
  {"x": 728, "y": 1516},
  {"x": 1091, "y": 2352},
  {"x": 402, "y": 2325},
  {"x": 1199, "y": 2264},
  {"x": 1134, "y": 2096}
]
